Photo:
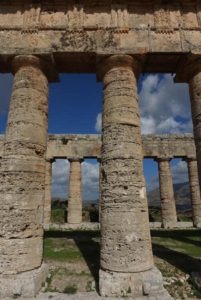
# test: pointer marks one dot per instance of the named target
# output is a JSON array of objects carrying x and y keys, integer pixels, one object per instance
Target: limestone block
[{"x": 19, "y": 255}]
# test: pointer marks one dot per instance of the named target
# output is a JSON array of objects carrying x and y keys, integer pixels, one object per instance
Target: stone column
[
  {"x": 126, "y": 254},
  {"x": 189, "y": 71},
  {"x": 75, "y": 192},
  {"x": 194, "y": 190},
  {"x": 23, "y": 181},
  {"x": 168, "y": 205},
  {"x": 99, "y": 199},
  {"x": 48, "y": 191}
]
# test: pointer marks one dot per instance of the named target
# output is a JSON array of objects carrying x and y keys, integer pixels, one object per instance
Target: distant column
[
  {"x": 189, "y": 70},
  {"x": 75, "y": 192},
  {"x": 194, "y": 190},
  {"x": 99, "y": 198},
  {"x": 168, "y": 205},
  {"x": 48, "y": 191}
]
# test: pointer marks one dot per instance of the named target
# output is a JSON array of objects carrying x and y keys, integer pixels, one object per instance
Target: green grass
[
  {"x": 183, "y": 241},
  {"x": 70, "y": 289},
  {"x": 179, "y": 251},
  {"x": 58, "y": 215},
  {"x": 60, "y": 250}
]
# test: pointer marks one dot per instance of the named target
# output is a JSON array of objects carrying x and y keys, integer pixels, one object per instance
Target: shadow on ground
[
  {"x": 87, "y": 245},
  {"x": 185, "y": 236}
]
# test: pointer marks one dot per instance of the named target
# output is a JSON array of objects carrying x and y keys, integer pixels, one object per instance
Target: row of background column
[{"x": 168, "y": 204}]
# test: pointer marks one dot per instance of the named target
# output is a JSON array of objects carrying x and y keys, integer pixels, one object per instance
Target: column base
[
  {"x": 142, "y": 284},
  {"x": 169, "y": 225},
  {"x": 197, "y": 225},
  {"x": 25, "y": 285}
]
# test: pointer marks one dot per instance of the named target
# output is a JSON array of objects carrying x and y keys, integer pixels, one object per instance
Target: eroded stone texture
[
  {"x": 190, "y": 71},
  {"x": 75, "y": 192},
  {"x": 89, "y": 145},
  {"x": 48, "y": 191},
  {"x": 22, "y": 181},
  {"x": 194, "y": 190},
  {"x": 124, "y": 218},
  {"x": 168, "y": 205}
]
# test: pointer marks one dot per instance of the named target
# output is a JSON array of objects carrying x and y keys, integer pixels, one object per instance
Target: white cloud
[
  {"x": 90, "y": 180},
  {"x": 98, "y": 125},
  {"x": 180, "y": 172},
  {"x": 60, "y": 175},
  {"x": 164, "y": 106},
  {"x": 148, "y": 125}
]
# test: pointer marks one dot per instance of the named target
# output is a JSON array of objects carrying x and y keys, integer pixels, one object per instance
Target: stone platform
[{"x": 90, "y": 296}]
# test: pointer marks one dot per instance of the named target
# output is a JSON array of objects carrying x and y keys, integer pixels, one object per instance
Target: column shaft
[
  {"x": 75, "y": 193},
  {"x": 194, "y": 191},
  {"x": 168, "y": 205},
  {"x": 23, "y": 178},
  {"x": 48, "y": 192},
  {"x": 125, "y": 235},
  {"x": 195, "y": 95}
]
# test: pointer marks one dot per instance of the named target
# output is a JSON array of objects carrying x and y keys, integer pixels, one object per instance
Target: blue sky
[{"x": 75, "y": 106}]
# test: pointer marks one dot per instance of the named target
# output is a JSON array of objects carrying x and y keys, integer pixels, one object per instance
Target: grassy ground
[{"x": 74, "y": 260}]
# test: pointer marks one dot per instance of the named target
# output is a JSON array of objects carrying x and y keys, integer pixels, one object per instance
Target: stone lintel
[
  {"x": 75, "y": 159},
  {"x": 188, "y": 66},
  {"x": 189, "y": 158},
  {"x": 163, "y": 158}
]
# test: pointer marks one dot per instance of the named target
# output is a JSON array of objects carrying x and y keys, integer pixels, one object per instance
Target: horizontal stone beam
[
  {"x": 76, "y": 33},
  {"x": 88, "y": 146}
]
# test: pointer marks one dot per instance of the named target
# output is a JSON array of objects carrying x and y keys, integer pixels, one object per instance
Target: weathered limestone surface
[
  {"x": 78, "y": 30},
  {"x": 124, "y": 212},
  {"x": 22, "y": 180},
  {"x": 75, "y": 192},
  {"x": 48, "y": 191},
  {"x": 168, "y": 205},
  {"x": 194, "y": 190},
  {"x": 89, "y": 145}
]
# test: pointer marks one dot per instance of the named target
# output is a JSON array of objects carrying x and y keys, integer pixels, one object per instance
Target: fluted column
[
  {"x": 189, "y": 71},
  {"x": 48, "y": 191},
  {"x": 126, "y": 254},
  {"x": 168, "y": 205},
  {"x": 194, "y": 190},
  {"x": 75, "y": 192},
  {"x": 23, "y": 180}
]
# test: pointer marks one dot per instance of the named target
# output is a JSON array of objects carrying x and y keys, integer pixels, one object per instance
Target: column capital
[
  {"x": 50, "y": 159},
  {"x": 75, "y": 159},
  {"x": 45, "y": 64},
  {"x": 188, "y": 67},
  {"x": 163, "y": 158},
  {"x": 189, "y": 158},
  {"x": 118, "y": 61}
]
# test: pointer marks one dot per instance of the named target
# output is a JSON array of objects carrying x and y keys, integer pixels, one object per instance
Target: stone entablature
[
  {"x": 83, "y": 146},
  {"x": 89, "y": 146},
  {"x": 69, "y": 32}
]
